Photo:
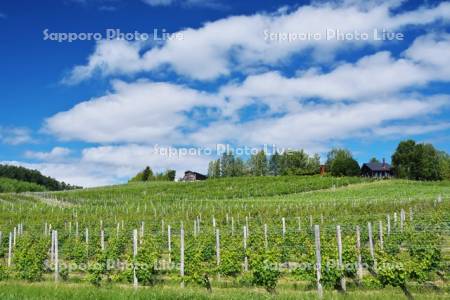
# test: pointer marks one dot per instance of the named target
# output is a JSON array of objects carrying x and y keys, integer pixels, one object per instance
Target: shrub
[
  {"x": 29, "y": 257},
  {"x": 263, "y": 271}
]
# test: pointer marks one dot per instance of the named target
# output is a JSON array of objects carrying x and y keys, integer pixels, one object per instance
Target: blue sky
[{"x": 93, "y": 112}]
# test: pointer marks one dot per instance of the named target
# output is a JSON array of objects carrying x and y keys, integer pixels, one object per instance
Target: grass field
[
  {"x": 44, "y": 291},
  {"x": 418, "y": 214}
]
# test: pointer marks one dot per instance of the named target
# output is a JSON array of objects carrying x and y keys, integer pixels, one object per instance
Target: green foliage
[
  {"x": 75, "y": 251},
  {"x": 265, "y": 271},
  {"x": 15, "y": 186},
  {"x": 258, "y": 201},
  {"x": 94, "y": 275},
  {"x": 29, "y": 257},
  {"x": 418, "y": 161},
  {"x": 230, "y": 259},
  {"x": 148, "y": 175},
  {"x": 445, "y": 164},
  {"x": 64, "y": 273},
  {"x": 340, "y": 162},
  {"x": 4, "y": 273},
  {"x": 146, "y": 262},
  {"x": 391, "y": 271},
  {"x": 288, "y": 163},
  {"x": 258, "y": 164},
  {"x": 199, "y": 259}
]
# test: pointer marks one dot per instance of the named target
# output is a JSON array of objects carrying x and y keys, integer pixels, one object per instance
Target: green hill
[{"x": 32, "y": 176}]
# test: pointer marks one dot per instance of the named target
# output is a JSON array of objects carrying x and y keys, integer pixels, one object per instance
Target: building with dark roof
[
  {"x": 377, "y": 170},
  {"x": 193, "y": 176}
]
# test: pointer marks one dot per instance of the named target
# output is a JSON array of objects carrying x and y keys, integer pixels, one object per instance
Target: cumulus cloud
[
  {"x": 106, "y": 165},
  {"x": 212, "y": 4},
  {"x": 411, "y": 129},
  {"x": 372, "y": 76},
  {"x": 380, "y": 94},
  {"x": 166, "y": 113},
  {"x": 57, "y": 153},
  {"x": 316, "y": 125},
  {"x": 158, "y": 2},
  {"x": 134, "y": 157},
  {"x": 86, "y": 175},
  {"x": 240, "y": 43},
  {"x": 142, "y": 111},
  {"x": 15, "y": 135}
]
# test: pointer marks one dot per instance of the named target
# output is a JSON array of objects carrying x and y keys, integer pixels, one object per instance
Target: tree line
[
  {"x": 420, "y": 161},
  {"x": 34, "y": 176},
  {"x": 411, "y": 160},
  {"x": 148, "y": 175},
  {"x": 260, "y": 164}
]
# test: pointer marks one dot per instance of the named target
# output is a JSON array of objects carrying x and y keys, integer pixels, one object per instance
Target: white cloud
[
  {"x": 372, "y": 76},
  {"x": 313, "y": 127},
  {"x": 238, "y": 43},
  {"x": 432, "y": 50},
  {"x": 158, "y": 2},
  {"x": 57, "y": 153},
  {"x": 15, "y": 135},
  {"x": 213, "y": 4},
  {"x": 134, "y": 157},
  {"x": 414, "y": 129},
  {"x": 143, "y": 111},
  {"x": 166, "y": 113},
  {"x": 106, "y": 165},
  {"x": 86, "y": 175}
]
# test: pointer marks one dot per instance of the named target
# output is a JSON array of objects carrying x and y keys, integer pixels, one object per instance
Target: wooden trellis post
[
  {"x": 182, "y": 255},
  {"x": 266, "y": 242},
  {"x": 388, "y": 219},
  {"x": 169, "y": 242},
  {"x": 10, "y": 249},
  {"x": 318, "y": 260},
  {"x": 371, "y": 248},
  {"x": 358, "y": 250},
  {"x": 245, "y": 250},
  {"x": 102, "y": 240},
  {"x": 135, "y": 249},
  {"x": 380, "y": 233},
  {"x": 141, "y": 238},
  {"x": 52, "y": 246},
  {"x": 340, "y": 264},
  {"x": 217, "y": 247},
  {"x": 283, "y": 221},
  {"x": 402, "y": 219},
  {"x": 55, "y": 237},
  {"x": 395, "y": 221}
]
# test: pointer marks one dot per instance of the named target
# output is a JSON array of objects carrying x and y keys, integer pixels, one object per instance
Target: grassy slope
[
  {"x": 45, "y": 291},
  {"x": 226, "y": 188},
  {"x": 371, "y": 198}
]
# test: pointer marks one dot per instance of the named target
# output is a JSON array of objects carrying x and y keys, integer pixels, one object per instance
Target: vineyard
[{"x": 287, "y": 237}]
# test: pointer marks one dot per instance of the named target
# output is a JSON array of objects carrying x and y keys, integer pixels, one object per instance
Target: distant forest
[{"x": 21, "y": 175}]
